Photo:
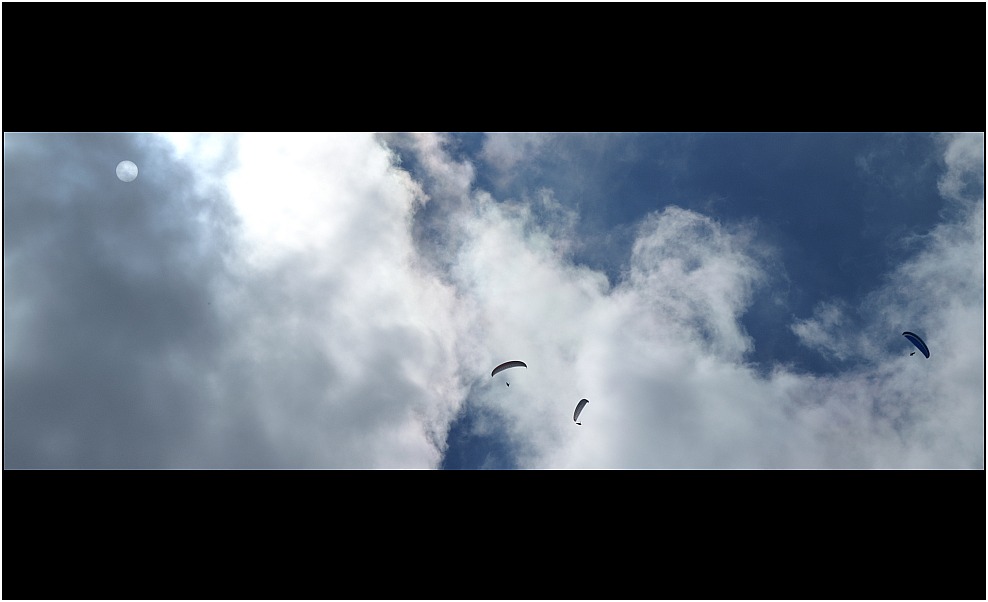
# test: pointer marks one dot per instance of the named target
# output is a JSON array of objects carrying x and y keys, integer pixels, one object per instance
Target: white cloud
[
  {"x": 344, "y": 352},
  {"x": 661, "y": 356},
  {"x": 337, "y": 344},
  {"x": 506, "y": 152},
  {"x": 825, "y": 331},
  {"x": 965, "y": 159}
]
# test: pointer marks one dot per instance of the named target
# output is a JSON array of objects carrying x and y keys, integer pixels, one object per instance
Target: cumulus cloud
[
  {"x": 661, "y": 354},
  {"x": 337, "y": 300},
  {"x": 350, "y": 340},
  {"x": 278, "y": 320}
]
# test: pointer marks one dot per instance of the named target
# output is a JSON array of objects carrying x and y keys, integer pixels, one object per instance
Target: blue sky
[{"x": 337, "y": 300}]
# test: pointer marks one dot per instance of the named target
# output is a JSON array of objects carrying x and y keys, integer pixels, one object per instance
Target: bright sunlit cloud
[{"x": 338, "y": 300}]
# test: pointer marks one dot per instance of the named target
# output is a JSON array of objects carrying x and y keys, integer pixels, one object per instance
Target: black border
[
  {"x": 706, "y": 67},
  {"x": 546, "y": 534},
  {"x": 497, "y": 535}
]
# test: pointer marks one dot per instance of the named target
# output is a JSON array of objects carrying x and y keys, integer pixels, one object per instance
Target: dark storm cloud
[{"x": 107, "y": 299}]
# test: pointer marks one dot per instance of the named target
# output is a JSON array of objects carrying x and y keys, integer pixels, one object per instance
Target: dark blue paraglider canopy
[{"x": 918, "y": 342}]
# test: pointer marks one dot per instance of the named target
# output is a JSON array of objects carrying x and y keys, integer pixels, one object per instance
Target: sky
[{"x": 338, "y": 300}]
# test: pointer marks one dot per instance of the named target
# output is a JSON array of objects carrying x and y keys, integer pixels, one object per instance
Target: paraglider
[
  {"x": 918, "y": 342},
  {"x": 506, "y": 365},
  {"x": 579, "y": 408}
]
